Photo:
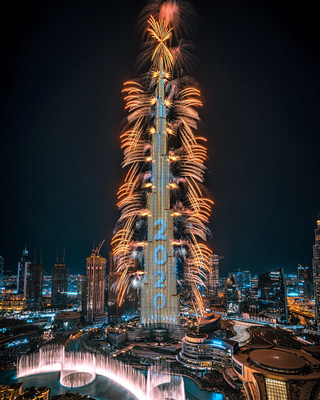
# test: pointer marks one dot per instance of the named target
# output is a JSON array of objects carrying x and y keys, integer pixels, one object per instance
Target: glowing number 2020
[
  {"x": 160, "y": 283},
  {"x": 160, "y": 235},
  {"x": 162, "y": 302},
  {"x": 160, "y": 258},
  {"x": 163, "y": 255}
]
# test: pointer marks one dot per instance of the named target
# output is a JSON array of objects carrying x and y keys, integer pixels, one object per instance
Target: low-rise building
[
  {"x": 116, "y": 336},
  {"x": 10, "y": 392},
  {"x": 67, "y": 320},
  {"x": 12, "y": 302},
  {"x": 33, "y": 393},
  {"x": 201, "y": 353},
  {"x": 277, "y": 373}
]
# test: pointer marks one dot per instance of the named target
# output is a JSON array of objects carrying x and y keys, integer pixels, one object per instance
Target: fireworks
[{"x": 162, "y": 57}]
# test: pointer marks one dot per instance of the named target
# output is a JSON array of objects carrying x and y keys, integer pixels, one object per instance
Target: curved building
[
  {"x": 277, "y": 373},
  {"x": 209, "y": 323},
  {"x": 201, "y": 353}
]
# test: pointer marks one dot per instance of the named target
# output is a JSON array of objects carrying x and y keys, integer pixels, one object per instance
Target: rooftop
[{"x": 277, "y": 359}]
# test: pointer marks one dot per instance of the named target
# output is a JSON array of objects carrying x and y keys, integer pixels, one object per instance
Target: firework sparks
[{"x": 162, "y": 52}]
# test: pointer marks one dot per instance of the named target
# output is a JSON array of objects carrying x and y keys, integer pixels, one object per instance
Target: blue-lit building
[
  {"x": 304, "y": 282},
  {"x": 202, "y": 353},
  {"x": 272, "y": 294},
  {"x": 243, "y": 279}
]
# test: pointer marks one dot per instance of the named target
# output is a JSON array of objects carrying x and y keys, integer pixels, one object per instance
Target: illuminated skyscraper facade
[
  {"x": 159, "y": 299},
  {"x": 232, "y": 295},
  {"x": 81, "y": 291},
  {"x": 316, "y": 272},
  {"x": 59, "y": 292},
  {"x": 23, "y": 272},
  {"x": 272, "y": 294},
  {"x": 34, "y": 286},
  {"x": 304, "y": 282},
  {"x": 164, "y": 211},
  {"x": 213, "y": 276},
  {"x": 95, "y": 285}
]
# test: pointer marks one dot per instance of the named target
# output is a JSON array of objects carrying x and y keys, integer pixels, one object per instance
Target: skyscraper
[
  {"x": 212, "y": 276},
  {"x": 23, "y": 271},
  {"x": 243, "y": 279},
  {"x": 34, "y": 286},
  {"x": 316, "y": 272},
  {"x": 114, "y": 310},
  {"x": 81, "y": 290},
  {"x": 1, "y": 274},
  {"x": 95, "y": 285},
  {"x": 304, "y": 282},
  {"x": 232, "y": 295},
  {"x": 59, "y": 291},
  {"x": 272, "y": 294},
  {"x": 159, "y": 299},
  {"x": 164, "y": 207}
]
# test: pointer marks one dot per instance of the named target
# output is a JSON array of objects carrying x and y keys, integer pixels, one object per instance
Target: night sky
[{"x": 63, "y": 66}]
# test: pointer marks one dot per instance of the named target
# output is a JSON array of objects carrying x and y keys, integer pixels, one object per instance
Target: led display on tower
[
  {"x": 164, "y": 212},
  {"x": 159, "y": 300}
]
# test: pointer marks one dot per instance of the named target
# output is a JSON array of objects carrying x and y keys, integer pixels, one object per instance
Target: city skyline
[{"x": 61, "y": 159}]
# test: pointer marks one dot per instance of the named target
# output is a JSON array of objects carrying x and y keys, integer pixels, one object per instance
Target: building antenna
[
  {"x": 57, "y": 259},
  {"x": 99, "y": 247},
  {"x": 64, "y": 255}
]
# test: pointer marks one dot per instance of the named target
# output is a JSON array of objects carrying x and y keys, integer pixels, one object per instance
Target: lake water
[{"x": 101, "y": 388}]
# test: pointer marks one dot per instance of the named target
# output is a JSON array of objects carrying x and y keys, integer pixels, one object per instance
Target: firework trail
[{"x": 165, "y": 51}]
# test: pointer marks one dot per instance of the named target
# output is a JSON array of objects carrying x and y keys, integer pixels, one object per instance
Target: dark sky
[{"x": 63, "y": 66}]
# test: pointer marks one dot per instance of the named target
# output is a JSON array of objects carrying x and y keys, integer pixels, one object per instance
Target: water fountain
[
  {"x": 161, "y": 381},
  {"x": 79, "y": 369}
]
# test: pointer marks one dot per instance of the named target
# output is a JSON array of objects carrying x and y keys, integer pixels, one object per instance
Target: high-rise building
[
  {"x": 232, "y": 295},
  {"x": 22, "y": 275},
  {"x": 159, "y": 298},
  {"x": 272, "y": 294},
  {"x": 59, "y": 291},
  {"x": 1, "y": 274},
  {"x": 316, "y": 272},
  {"x": 212, "y": 281},
  {"x": 81, "y": 281},
  {"x": 164, "y": 209},
  {"x": 112, "y": 304},
  {"x": 95, "y": 285},
  {"x": 34, "y": 286},
  {"x": 304, "y": 282},
  {"x": 243, "y": 279}
]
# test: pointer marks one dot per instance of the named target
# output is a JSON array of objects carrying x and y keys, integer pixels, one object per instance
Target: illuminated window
[{"x": 276, "y": 390}]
